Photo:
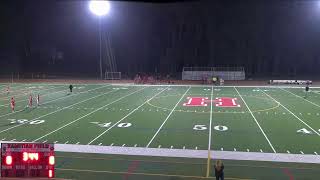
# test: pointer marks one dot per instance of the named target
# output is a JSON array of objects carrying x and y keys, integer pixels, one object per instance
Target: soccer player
[
  {"x": 70, "y": 87},
  {"x": 30, "y": 101},
  {"x": 38, "y": 100},
  {"x": 13, "y": 104}
]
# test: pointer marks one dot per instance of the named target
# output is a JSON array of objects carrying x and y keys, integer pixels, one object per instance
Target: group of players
[{"x": 30, "y": 100}]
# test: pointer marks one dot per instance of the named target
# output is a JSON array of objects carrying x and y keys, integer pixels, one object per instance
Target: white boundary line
[
  {"x": 167, "y": 118},
  {"x": 300, "y": 97},
  {"x": 185, "y": 153},
  {"x": 292, "y": 113},
  {"x": 94, "y": 139},
  {"x": 264, "y": 134},
  {"x": 58, "y": 110},
  {"x": 87, "y": 115},
  {"x": 64, "y": 97},
  {"x": 210, "y": 124}
]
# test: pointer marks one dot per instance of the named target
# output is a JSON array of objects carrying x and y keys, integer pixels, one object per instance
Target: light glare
[{"x": 99, "y": 8}]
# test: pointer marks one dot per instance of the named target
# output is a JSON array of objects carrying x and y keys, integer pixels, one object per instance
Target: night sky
[{"x": 266, "y": 37}]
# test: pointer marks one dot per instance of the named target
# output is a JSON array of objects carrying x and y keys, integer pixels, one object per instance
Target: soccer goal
[{"x": 112, "y": 75}]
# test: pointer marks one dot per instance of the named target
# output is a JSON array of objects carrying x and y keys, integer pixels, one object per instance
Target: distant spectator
[{"x": 218, "y": 168}]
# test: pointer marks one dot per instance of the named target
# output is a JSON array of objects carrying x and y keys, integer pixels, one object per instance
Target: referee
[
  {"x": 70, "y": 88},
  {"x": 307, "y": 90}
]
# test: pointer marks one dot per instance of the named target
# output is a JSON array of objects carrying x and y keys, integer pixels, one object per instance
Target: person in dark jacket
[
  {"x": 70, "y": 87},
  {"x": 307, "y": 90},
  {"x": 218, "y": 169}
]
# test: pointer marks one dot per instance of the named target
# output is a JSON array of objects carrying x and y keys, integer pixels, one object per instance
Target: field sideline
[{"x": 259, "y": 119}]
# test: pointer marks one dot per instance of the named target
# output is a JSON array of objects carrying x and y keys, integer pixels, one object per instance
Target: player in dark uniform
[
  {"x": 70, "y": 87},
  {"x": 307, "y": 90}
]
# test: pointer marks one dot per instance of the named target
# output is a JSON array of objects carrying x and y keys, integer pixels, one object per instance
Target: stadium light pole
[{"x": 99, "y": 8}]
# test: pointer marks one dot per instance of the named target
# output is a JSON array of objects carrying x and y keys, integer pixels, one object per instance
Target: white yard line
[
  {"x": 58, "y": 110},
  {"x": 64, "y": 97},
  {"x": 292, "y": 113},
  {"x": 87, "y": 115},
  {"x": 167, "y": 118},
  {"x": 264, "y": 134},
  {"x": 210, "y": 124},
  {"x": 300, "y": 97},
  {"x": 126, "y": 116}
]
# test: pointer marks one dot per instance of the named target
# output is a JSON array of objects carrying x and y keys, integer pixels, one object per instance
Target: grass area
[{"x": 246, "y": 119}]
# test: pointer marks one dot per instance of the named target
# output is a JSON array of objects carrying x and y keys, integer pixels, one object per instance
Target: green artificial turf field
[{"x": 200, "y": 118}]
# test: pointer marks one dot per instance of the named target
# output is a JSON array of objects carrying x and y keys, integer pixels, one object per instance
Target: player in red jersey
[
  {"x": 30, "y": 101},
  {"x": 38, "y": 99},
  {"x": 13, "y": 104}
]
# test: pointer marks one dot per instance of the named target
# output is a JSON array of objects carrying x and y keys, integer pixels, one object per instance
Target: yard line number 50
[{"x": 201, "y": 127}]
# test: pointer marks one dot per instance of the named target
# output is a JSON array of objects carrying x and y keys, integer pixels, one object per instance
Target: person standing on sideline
[{"x": 218, "y": 169}]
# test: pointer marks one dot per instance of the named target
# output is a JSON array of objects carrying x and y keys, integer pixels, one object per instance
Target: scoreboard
[{"x": 27, "y": 160}]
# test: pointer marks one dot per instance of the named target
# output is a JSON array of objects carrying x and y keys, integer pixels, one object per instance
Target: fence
[{"x": 200, "y": 73}]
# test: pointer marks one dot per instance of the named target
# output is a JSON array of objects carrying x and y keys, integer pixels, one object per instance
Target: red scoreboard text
[{"x": 27, "y": 160}]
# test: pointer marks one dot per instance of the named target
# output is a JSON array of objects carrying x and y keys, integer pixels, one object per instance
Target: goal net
[{"x": 112, "y": 75}]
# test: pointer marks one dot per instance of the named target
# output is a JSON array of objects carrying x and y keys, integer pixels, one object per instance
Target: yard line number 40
[
  {"x": 26, "y": 121},
  {"x": 305, "y": 131}
]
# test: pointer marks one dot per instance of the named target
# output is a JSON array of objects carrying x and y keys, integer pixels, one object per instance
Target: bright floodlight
[{"x": 99, "y": 8}]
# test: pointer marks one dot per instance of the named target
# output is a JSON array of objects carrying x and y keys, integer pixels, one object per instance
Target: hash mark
[
  {"x": 315, "y": 153},
  {"x": 301, "y": 152},
  {"x": 3, "y": 139},
  {"x": 196, "y": 148},
  {"x": 13, "y": 139},
  {"x": 44, "y": 141},
  {"x": 99, "y": 144},
  {"x": 261, "y": 150},
  {"x": 171, "y": 147},
  {"x": 135, "y": 145},
  {"x": 111, "y": 144},
  {"x": 159, "y": 146},
  {"x": 221, "y": 149},
  {"x": 184, "y": 147},
  {"x": 78, "y": 143},
  {"x": 123, "y": 145},
  {"x": 55, "y": 141},
  {"x": 234, "y": 149},
  {"x": 248, "y": 150},
  {"x": 23, "y": 140},
  {"x": 66, "y": 142},
  {"x": 288, "y": 152}
]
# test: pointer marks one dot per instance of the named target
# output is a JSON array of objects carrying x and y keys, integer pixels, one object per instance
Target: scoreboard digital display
[{"x": 27, "y": 160}]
